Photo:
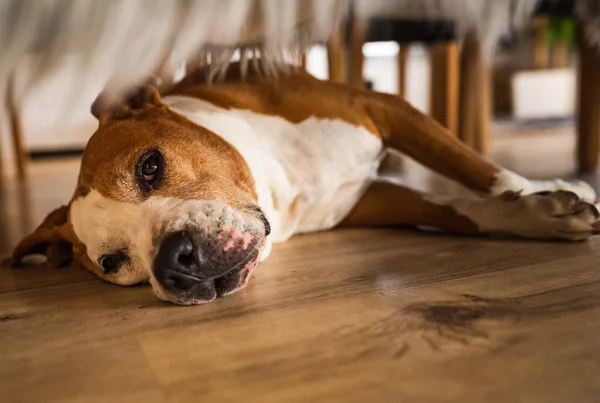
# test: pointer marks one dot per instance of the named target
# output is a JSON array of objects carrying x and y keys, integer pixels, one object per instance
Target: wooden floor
[{"x": 343, "y": 316}]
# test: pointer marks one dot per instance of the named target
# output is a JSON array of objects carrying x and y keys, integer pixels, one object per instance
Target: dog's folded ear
[
  {"x": 53, "y": 238},
  {"x": 111, "y": 105}
]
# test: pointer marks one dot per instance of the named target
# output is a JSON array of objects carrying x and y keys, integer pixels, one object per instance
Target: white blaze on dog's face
[{"x": 161, "y": 199}]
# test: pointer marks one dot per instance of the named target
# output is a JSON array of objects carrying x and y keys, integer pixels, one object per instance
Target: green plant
[{"x": 561, "y": 30}]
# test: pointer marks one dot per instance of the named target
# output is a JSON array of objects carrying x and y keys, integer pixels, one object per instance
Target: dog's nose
[{"x": 175, "y": 264}]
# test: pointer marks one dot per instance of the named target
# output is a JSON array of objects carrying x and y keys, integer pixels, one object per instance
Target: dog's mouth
[
  {"x": 237, "y": 277},
  {"x": 230, "y": 281},
  {"x": 193, "y": 269},
  {"x": 206, "y": 250}
]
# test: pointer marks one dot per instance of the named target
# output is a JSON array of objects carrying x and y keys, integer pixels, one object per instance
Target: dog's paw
[
  {"x": 557, "y": 214},
  {"x": 583, "y": 190},
  {"x": 509, "y": 181}
]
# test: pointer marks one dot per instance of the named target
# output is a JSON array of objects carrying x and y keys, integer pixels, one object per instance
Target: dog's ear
[
  {"x": 53, "y": 238},
  {"x": 111, "y": 105}
]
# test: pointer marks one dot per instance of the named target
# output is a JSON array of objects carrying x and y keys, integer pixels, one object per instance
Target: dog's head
[{"x": 159, "y": 198}]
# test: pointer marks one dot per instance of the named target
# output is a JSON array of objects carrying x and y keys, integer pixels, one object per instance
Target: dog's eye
[
  {"x": 112, "y": 263},
  {"x": 149, "y": 170}
]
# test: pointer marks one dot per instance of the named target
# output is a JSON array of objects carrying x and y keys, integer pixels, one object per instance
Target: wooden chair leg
[
  {"x": 14, "y": 121},
  {"x": 6, "y": 241},
  {"x": 560, "y": 55},
  {"x": 541, "y": 50},
  {"x": 445, "y": 84},
  {"x": 588, "y": 123},
  {"x": 475, "y": 96},
  {"x": 486, "y": 111},
  {"x": 336, "y": 56},
  {"x": 403, "y": 68},
  {"x": 358, "y": 37},
  {"x": 1, "y": 160}
]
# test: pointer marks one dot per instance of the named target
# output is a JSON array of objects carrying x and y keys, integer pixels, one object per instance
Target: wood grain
[{"x": 344, "y": 316}]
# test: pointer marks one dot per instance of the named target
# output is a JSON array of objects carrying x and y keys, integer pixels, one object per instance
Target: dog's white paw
[
  {"x": 509, "y": 181},
  {"x": 545, "y": 215},
  {"x": 580, "y": 188},
  {"x": 557, "y": 214}
]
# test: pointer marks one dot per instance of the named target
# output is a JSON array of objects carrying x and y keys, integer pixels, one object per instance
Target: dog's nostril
[
  {"x": 186, "y": 260},
  {"x": 177, "y": 250},
  {"x": 175, "y": 265}
]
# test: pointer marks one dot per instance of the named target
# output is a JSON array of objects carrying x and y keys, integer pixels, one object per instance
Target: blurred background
[{"x": 528, "y": 87}]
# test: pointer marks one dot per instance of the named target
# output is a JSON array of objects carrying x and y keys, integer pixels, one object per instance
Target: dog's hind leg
[
  {"x": 408, "y": 130},
  {"x": 547, "y": 215}
]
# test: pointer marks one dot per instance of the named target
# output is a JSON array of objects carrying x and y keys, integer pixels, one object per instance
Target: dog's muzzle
[{"x": 194, "y": 269}]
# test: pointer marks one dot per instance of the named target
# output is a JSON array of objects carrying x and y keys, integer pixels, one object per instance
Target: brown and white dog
[{"x": 190, "y": 190}]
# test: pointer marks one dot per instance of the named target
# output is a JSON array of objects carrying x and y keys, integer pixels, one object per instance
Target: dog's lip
[
  {"x": 251, "y": 256},
  {"x": 237, "y": 269}
]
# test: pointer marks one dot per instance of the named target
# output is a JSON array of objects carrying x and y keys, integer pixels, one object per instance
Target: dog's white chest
[{"x": 308, "y": 175}]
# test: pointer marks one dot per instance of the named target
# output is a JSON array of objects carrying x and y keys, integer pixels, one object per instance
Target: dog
[{"x": 190, "y": 189}]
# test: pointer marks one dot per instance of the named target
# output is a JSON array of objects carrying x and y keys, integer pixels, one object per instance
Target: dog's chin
[{"x": 209, "y": 290}]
